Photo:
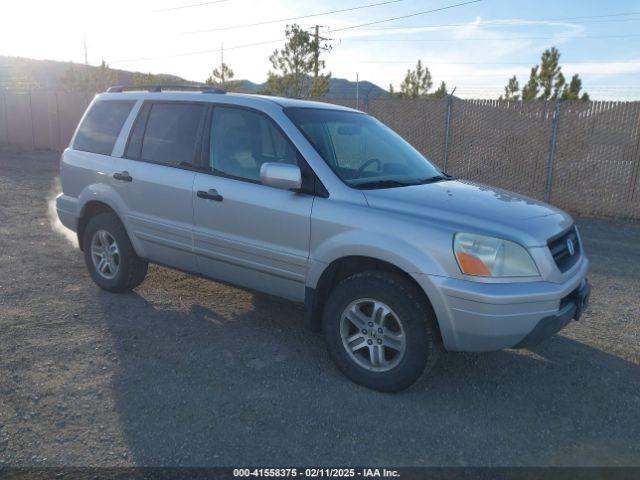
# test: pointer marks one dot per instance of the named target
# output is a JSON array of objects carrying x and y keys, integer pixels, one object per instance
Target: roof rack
[{"x": 160, "y": 88}]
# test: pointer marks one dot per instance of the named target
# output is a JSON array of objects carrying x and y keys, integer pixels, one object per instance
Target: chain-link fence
[{"x": 580, "y": 156}]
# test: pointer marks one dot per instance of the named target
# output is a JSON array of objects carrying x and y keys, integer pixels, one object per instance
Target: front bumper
[
  {"x": 477, "y": 317},
  {"x": 571, "y": 308}
]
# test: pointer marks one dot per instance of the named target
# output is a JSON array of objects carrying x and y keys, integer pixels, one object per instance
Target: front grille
[{"x": 560, "y": 251}]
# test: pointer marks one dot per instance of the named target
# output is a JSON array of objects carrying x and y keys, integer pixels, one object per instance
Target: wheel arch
[
  {"x": 344, "y": 267},
  {"x": 100, "y": 198},
  {"x": 88, "y": 211}
]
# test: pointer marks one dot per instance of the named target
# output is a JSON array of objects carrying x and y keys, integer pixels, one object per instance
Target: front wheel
[{"x": 380, "y": 330}]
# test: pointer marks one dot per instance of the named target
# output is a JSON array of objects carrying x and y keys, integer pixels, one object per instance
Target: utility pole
[
  {"x": 222, "y": 63},
  {"x": 447, "y": 133},
  {"x": 84, "y": 43},
  {"x": 357, "y": 91},
  {"x": 316, "y": 54},
  {"x": 552, "y": 149}
]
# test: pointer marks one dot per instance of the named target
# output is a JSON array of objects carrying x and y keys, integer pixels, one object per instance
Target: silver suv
[{"x": 393, "y": 259}]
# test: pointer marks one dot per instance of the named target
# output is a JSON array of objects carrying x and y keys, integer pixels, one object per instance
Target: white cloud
[{"x": 461, "y": 60}]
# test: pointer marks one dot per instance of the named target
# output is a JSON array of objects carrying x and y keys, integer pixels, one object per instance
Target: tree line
[
  {"x": 297, "y": 70},
  {"x": 546, "y": 82}
]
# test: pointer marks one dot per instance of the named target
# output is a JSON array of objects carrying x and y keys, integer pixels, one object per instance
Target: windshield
[{"x": 362, "y": 151}]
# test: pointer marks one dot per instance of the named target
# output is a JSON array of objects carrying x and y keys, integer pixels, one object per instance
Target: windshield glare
[{"x": 362, "y": 151}]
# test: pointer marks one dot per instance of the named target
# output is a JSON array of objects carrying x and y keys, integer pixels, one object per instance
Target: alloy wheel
[
  {"x": 372, "y": 335},
  {"x": 105, "y": 254}
]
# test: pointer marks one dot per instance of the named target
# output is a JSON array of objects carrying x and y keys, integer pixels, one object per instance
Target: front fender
[
  {"x": 385, "y": 247},
  {"x": 418, "y": 263}
]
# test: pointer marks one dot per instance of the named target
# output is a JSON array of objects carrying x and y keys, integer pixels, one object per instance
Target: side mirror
[{"x": 281, "y": 175}]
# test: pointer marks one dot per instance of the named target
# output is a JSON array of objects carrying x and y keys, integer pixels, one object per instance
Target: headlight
[{"x": 492, "y": 257}]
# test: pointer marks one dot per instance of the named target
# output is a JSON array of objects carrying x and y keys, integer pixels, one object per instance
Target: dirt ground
[{"x": 189, "y": 372}]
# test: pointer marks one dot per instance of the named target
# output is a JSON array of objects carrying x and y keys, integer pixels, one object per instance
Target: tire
[
  {"x": 128, "y": 270},
  {"x": 415, "y": 338}
]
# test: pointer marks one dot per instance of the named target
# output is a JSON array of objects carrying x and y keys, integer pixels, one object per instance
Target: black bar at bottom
[{"x": 406, "y": 473}]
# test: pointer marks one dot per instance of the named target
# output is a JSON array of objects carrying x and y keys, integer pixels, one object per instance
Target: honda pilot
[{"x": 393, "y": 259}]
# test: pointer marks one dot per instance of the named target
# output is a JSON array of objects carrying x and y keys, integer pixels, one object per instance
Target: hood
[{"x": 476, "y": 208}]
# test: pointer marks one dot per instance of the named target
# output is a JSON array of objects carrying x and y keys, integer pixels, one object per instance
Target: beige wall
[{"x": 39, "y": 119}]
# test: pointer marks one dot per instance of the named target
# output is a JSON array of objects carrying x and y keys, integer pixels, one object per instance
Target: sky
[{"x": 474, "y": 47}]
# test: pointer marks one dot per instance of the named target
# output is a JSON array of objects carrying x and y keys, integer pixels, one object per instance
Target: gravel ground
[{"x": 189, "y": 372}]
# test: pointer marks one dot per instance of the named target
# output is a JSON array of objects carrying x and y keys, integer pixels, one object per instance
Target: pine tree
[
  {"x": 512, "y": 89},
  {"x": 416, "y": 83},
  {"x": 223, "y": 77},
  {"x": 530, "y": 90},
  {"x": 547, "y": 82},
  {"x": 572, "y": 91},
  {"x": 550, "y": 77},
  {"x": 294, "y": 64},
  {"x": 320, "y": 85},
  {"x": 441, "y": 92}
]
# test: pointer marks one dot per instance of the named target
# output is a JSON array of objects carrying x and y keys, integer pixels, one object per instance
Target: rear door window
[
  {"x": 172, "y": 133},
  {"x": 101, "y": 126}
]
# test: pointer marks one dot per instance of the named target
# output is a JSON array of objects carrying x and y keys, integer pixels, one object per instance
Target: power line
[
  {"x": 520, "y": 71},
  {"x": 493, "y": 85},
  {"x": 267, "y": 22},
  {"x": 198, "y": 52},
  {"x": 510, "y": 23},
  {"x": 202, "y": 52},
  {"x": 421, "y": 40},
  {"x": 497, "y": 24},
  {"x": 630, "y": 62},
  {"x": 190, "y": 6},
  {"x": 403, "y": 16}
]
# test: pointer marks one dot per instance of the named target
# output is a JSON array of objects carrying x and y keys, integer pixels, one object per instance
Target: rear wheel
[
  {"x": 109, "y": 255},
  {"x": 380, "y": 330}
]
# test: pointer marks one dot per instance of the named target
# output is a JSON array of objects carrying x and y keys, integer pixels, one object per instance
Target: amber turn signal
[{"x": 472, "y": 265}]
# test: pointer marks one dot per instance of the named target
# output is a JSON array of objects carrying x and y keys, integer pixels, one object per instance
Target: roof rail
[{"x": 160, "y": 88}]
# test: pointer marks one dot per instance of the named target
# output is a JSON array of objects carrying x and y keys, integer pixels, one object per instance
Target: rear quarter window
[{"x": 101, "y": 126}]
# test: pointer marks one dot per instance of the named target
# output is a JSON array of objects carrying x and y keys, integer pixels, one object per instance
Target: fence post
[
  {"x": 445, "y": 156},
  {"x": 6, "y": 115},
  {"x": 552, "y": 149},
  {"x": 33, "y": 128},
  {"x": 59, "y": 145}
]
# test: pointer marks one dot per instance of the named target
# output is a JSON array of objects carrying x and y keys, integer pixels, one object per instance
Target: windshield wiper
[
  {"x": 383, "y": 184},
  {"x": 434, "y": 179},
  {"x": 389, "y": 183}
]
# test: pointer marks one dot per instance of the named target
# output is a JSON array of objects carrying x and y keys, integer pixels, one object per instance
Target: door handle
[
  {"x": 123, "y": 176},
  {"x": 212, "y": 194}
]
